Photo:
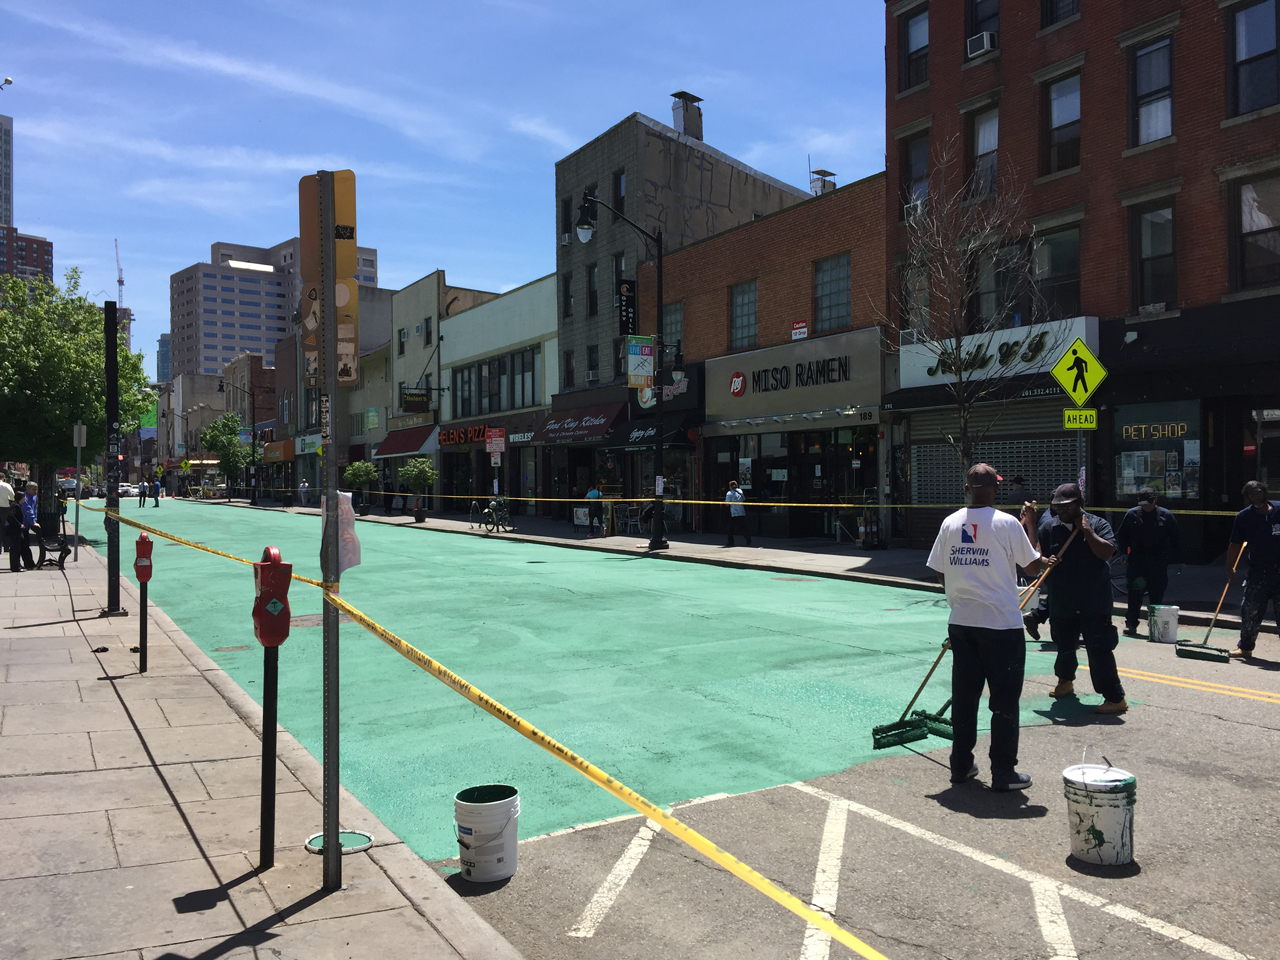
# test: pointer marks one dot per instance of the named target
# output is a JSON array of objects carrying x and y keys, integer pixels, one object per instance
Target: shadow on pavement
[
  {"x": 1131, "y": 869},
  {"x": 468, "y": 888},
  {"x": 970, "y": 799},
  {"x": 1071, "y": 712}
]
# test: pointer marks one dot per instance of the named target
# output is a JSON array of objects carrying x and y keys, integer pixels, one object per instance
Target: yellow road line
[
  {"x": 1207, "y": 683},
  {"x": 1203, "y": 686},
  {"x": 602, "y": 779}
]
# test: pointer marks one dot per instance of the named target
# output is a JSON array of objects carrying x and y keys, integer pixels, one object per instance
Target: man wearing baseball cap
[
  {"x": 1080, "y": 597},
  {"x": 976, "y": 557}
]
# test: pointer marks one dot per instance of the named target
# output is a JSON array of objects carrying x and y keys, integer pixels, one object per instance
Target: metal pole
[
  {"x": 267, "y": 820},
  {"x": 329, "y": 541},
  {"x": 75, "y": 555},
  {"x": 253, "y": 442},
  {"x": 142, "y": 629},
  {"x": 657, "y": 528},
  {"x": 111, "y": 333}
]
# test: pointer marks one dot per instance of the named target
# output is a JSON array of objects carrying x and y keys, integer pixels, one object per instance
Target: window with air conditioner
[
  {"x": 1256, "y": 61},
  {"x": 984, "y": 27},
  {"x": 593, "y": 363},
  {"x": 913, "y": 44},
  {"x": 1151, "y": 82}
]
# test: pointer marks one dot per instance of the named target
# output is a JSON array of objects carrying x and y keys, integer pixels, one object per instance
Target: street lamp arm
[{"x": 587, "y": 198}]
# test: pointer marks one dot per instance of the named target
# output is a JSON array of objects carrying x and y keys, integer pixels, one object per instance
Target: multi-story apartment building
[
  {"x": 240, "y": 302},
  {"x": 6, "y": 171},
  {"x": 25, "y": 255},
  {"x": 163, "y": 370},
  {"x": 1142, "y": 137},
  {"x": 665, "y": 178}
]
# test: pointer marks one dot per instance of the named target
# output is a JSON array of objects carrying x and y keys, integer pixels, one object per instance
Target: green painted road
[{"x": 680, "y": 679}]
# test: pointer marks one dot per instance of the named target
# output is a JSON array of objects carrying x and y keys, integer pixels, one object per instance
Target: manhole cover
[{"x": 230, "y": 649}]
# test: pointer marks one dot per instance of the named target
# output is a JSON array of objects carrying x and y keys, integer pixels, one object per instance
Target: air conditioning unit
[
  {"x": 564, "y": 239},
  {"x": 593, "y": 376},
  {"x": 980, "y": 43}
]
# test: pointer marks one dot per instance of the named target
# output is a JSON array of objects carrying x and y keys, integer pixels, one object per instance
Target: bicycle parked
[{"x": 496, "y": 516}]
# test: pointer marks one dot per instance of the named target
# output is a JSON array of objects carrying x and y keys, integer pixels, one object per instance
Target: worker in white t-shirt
[{"x": 976, "y": 557}]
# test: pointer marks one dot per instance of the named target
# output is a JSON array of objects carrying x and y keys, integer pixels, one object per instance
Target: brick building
[
  {"x": 25, "y": 255},
  {"x": 1144, "y": 138},
  {"x": 780, "y": 320}
]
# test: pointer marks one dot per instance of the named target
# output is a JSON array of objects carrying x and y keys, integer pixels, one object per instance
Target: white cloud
[
  {"x": 230, "y": 198},
  {"x": 539, "y": 129}
]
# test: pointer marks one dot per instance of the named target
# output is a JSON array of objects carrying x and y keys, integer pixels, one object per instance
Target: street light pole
[{"x": 586, "y": 226}]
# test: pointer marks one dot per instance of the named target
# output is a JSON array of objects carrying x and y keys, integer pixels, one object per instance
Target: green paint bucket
[
  {"x": 1100, "y": 813},
  {"x": 487, "y": 823}
]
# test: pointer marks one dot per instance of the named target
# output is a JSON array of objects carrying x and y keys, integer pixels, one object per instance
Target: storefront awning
[
  {"x": 407, "y": 443},
  {"x": 642, "y": 433},
  {"x": 278, "y": 451},
  {"x": 585, "y": 425}
]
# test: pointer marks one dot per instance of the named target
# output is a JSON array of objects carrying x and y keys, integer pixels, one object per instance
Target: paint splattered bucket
[
  {"x": 1162, "y": 624},
  {"x": 487, "y": 823},
  {"x": 1100, "y": 812}
]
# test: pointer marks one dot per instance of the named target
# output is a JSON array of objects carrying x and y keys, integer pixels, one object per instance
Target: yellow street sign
[
  {"x": 1079, "y": 372},
  {"x": 1085, "y": 418}
]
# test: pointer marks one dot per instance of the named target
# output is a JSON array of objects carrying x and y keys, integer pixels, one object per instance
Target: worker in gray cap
[{"x": 1080, "y": 597}]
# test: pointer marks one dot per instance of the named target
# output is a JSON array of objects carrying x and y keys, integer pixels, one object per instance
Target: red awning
[
  {"x": 404, "y": 443},
  {"x": 578, "y": 426}
]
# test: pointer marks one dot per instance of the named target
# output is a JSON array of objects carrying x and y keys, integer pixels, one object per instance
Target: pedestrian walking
[
  {"x": 155, "y": 492},
  {"x": 30, "y": 525},
  {"x": 388, "y": 494},
  {"x": 1148, "y": 538},
  {"x": 1258, "y": 524},
  {"x": 976, "y": 556},
  {"x": 6, "y": 502},
  {"x": 1080, "y": 599},
  {"x": 595, "y": 510},
  {"x": 737, "y": 513},
  {"x": 303, "y": 488}
]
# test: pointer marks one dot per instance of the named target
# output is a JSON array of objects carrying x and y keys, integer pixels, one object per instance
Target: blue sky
[{"x": 171, "y": 125}]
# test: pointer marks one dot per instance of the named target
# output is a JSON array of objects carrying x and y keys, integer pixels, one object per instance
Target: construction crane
[{"x": 119, "y": 278}]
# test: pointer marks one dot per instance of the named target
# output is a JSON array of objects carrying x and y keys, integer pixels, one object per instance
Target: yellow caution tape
[
  {"x": 527, "y": 730},
  {"x": 602, "y": 779}
]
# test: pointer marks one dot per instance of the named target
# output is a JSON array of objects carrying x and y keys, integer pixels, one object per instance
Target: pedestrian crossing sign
[{"x": 1079, "y": 372}]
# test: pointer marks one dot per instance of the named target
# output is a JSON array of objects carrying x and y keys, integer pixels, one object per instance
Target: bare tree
[{"x": 968, "y": 295}]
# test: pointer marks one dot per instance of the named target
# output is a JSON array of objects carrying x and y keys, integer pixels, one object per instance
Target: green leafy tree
[
  {"x": 53, "y": 374},
  {"x": 223, "y": 438},
  {"x": 360, "y": 474},
  {"x": 419, "y": 474}
]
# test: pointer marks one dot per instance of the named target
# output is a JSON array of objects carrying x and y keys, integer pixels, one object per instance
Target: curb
[{"x": 469, "y": 934}]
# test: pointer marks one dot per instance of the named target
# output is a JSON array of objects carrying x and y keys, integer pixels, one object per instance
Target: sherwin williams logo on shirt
[
  {"x": 968, "y": 533},
  {"x": 963, "y": 556}
]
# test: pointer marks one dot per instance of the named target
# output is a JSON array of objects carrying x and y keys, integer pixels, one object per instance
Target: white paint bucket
[
  {"x": 1100, "y": 812},
  {"x": 1162, "y": 624},
  {"x": 487, "y": 822}
]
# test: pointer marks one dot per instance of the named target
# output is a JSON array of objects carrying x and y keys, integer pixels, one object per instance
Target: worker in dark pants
[
  {"x": 976, "y": 557},
  {"x": 1080, "y": 598},
  {"x": 1148, "y": 537},
  {"x": 1258, "y": 525}
]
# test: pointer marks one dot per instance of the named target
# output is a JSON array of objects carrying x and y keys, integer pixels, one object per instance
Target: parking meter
[
  {"x": 142, "y": 562},
  {"x": 271, "y": 579}
]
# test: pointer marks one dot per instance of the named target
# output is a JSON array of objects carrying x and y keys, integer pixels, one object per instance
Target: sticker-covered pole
[{"x": 111, "y": 335}]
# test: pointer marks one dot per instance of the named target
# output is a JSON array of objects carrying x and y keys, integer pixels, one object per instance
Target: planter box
[{"x": 419, "y": 515}]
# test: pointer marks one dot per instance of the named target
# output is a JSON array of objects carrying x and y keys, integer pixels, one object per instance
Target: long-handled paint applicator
[
  {"x": 1202, "y": 651},
  {"x": 1031, "y": 590},
  {"x": 903, "y": 730}
]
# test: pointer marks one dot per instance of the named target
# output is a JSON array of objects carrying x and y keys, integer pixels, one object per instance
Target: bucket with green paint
[
  {"x": 487, "y": 824},
  {"x": 1100, "y": 812}
]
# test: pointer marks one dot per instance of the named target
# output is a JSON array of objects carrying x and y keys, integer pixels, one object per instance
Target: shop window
[
  {"x": 1152, "y": 93},
  {"x": 1256, "y": 67},
  {"x": 1155, "y": 283},
  {"x": 673, "y": 322},
  {"x": 1058, "y": 274},
  {"x": 742, "y": 315},
  {"x": 831, "y": 310},
  {"x": 1062, "y": 148},
  {"x": 913, "y": 43},
  {"x": 986, "y": 139},
  {"x": 1055, "y": 11},
  {"x": 915, "y": 174},
  {"x": 1158, "y": 445},
  {"x": 1258, "y": 242}
]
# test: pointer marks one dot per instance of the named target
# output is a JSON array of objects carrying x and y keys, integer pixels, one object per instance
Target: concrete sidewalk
[{"x": 129, "y": 807}]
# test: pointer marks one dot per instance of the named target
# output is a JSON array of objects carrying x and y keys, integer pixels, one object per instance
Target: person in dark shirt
[
  {"x": 1258, "y": 525},
  {"x": 1080, "y": 597},
  {"x": 1148, "y": 537}
]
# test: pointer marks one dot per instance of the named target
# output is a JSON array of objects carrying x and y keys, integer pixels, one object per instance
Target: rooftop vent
[
  {"x": 821, "y": 181},
  {"x": 686, "y": 114}
]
